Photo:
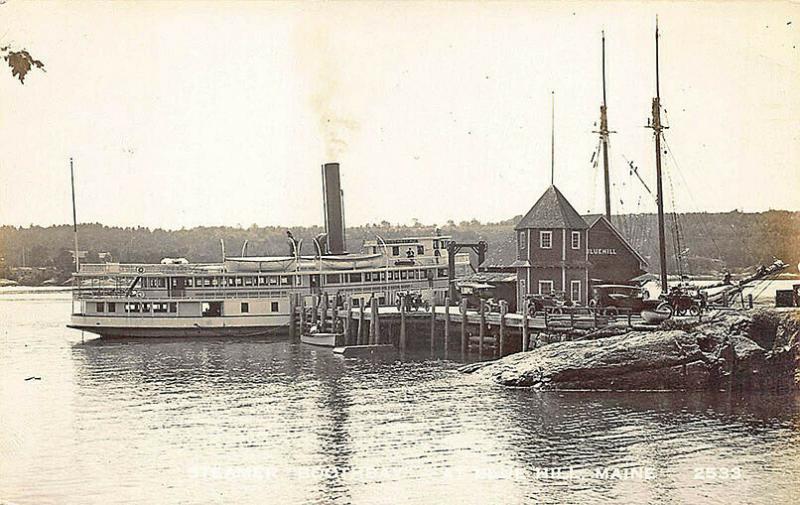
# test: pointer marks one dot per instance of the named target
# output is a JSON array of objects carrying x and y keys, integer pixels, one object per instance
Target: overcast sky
[{"x": 190, "y": 114}]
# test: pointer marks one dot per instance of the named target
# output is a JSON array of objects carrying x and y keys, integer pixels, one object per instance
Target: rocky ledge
[{"x": 754, "y": 350}]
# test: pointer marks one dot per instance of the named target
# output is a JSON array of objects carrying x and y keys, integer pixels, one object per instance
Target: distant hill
[{"x": 714, "y": 241}]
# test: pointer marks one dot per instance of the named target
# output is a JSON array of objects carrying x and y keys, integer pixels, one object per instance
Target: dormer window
[
  {"x": 546, "y": 239},
  {"x": 576, "y": 240}
]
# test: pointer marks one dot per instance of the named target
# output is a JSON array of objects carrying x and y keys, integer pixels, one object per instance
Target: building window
[
  {"x": 576, "y": 240},
  {"x": 522, "y": 241},
  {"x": 274, "y": 307},
  {"x": 575, "y": 291},
  {"x": 545, "y": 287},
  {"x": 546, "y": 239},
  {"x": 245, "y": 307}
]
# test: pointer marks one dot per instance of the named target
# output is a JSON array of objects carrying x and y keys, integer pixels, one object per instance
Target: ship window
[
  {"x": 383, "y": 276},
  {"x": 356, "y": 302},
  {"x": 132, "y": 307},
  {"x": 546, "y": 239},
  {"x": 436, "y": 244},
  {"x": 576, "y": 240},
  {"x": 146, "y": 307},
  {"x": 229, "y": 281},
  {"x": 238, "y": 281},
  {"x": 159, "y": 307},
  {"x": 355, "y": 277},
  {"x": 274, "y": 306},
  {"x": 442, "y": 272},
  {"x": 262, "y": 281},
  {"x": 285, "y": 280},
  {"x": 395, "y": 250},
  {"x": 101, "y": 307},
  {"x": 212, "y": 309},
  {"x": 189, "y": 282},
  {"x": 299, "y": 280},
  {"x": 112, "y": 307},
  {"x": 332, "y": 279},
  {"x": 368, "y": 276},
  {"x": 248, "y": 281},
  {"x": 216, "y": 281},
  {"x": 245, "y": 307},
  {"x": 420, "y": 250},
  {"x": 403, "y": 275},
  {"x": 173, "y": 307}
]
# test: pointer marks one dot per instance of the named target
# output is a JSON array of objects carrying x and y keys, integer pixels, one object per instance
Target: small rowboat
[
  {"x": 323, "y": 339},
  {"x": 657, "y": 315}
]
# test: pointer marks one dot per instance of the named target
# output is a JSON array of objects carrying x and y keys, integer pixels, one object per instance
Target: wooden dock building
[{"x": 552, "y": 251}]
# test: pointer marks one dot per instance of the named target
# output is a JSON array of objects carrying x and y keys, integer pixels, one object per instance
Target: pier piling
[
  {"x": 403, "y": 324},
  {"x": 525, "y": 342},
  {"x": 347, "y": 336},
  {"x": 374, "y": 323},
  {"x": 433, "y": 326},
  {"x": 463, "y": 309},
  {"x": 446, "y": 325},
  {"x": 482, "y": 329},
  {"x": 503, "y": 310},
  {"x": 292, "y": 318},
  {"x": 360, "y": 336}
]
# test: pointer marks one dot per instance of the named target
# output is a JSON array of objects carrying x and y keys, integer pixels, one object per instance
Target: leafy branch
[{"x": 20, "y": 62}]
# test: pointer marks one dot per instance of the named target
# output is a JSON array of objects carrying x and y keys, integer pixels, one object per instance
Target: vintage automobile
[
  {"x": 611, "y": 299},
  {"x": 555, "y": 302},
  {"x": 414, "y": 301}
]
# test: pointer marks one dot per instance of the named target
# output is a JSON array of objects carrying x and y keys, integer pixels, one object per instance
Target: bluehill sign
[{"x": 605, "y": 252}]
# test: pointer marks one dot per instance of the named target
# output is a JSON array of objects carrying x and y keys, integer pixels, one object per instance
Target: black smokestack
[{"x": 334, "y": 211}]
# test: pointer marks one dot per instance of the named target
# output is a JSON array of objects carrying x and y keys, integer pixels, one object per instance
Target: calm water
[{"x": 263, "y": 421}]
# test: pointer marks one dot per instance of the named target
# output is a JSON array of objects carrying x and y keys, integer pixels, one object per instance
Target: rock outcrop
[{"x": 755, "y": 350}]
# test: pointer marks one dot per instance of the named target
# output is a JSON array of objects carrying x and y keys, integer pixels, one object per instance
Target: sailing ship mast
[
  {"x": 604, "y": 134},
  {"x": 74, "y": 217},
  {"x": 657, "y": 128}
]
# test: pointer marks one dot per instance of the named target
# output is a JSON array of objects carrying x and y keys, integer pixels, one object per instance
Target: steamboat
[{"x": 253, "y": 295}]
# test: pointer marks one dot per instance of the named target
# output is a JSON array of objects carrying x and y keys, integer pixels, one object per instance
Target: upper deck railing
[{"x": 149, "y": 268}]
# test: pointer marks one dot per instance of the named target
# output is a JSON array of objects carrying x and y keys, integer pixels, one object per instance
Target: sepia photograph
[{"x": 378, "y": 252}]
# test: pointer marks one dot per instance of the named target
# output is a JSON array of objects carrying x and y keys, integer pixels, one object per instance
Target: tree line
[{"x": 710, "y": 242}]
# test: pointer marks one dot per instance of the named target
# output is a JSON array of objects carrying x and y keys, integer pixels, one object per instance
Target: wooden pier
[{"x": 489, "y": 334}]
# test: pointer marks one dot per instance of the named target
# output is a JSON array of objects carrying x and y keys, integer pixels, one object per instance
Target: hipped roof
[{"x": 552, "y": 210}]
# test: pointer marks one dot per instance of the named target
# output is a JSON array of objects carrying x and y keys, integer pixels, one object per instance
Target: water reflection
[{"x": 128, "y": 421}]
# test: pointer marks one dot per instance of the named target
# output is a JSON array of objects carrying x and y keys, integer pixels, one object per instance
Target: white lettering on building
[{"x": 603, "y": 251}]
